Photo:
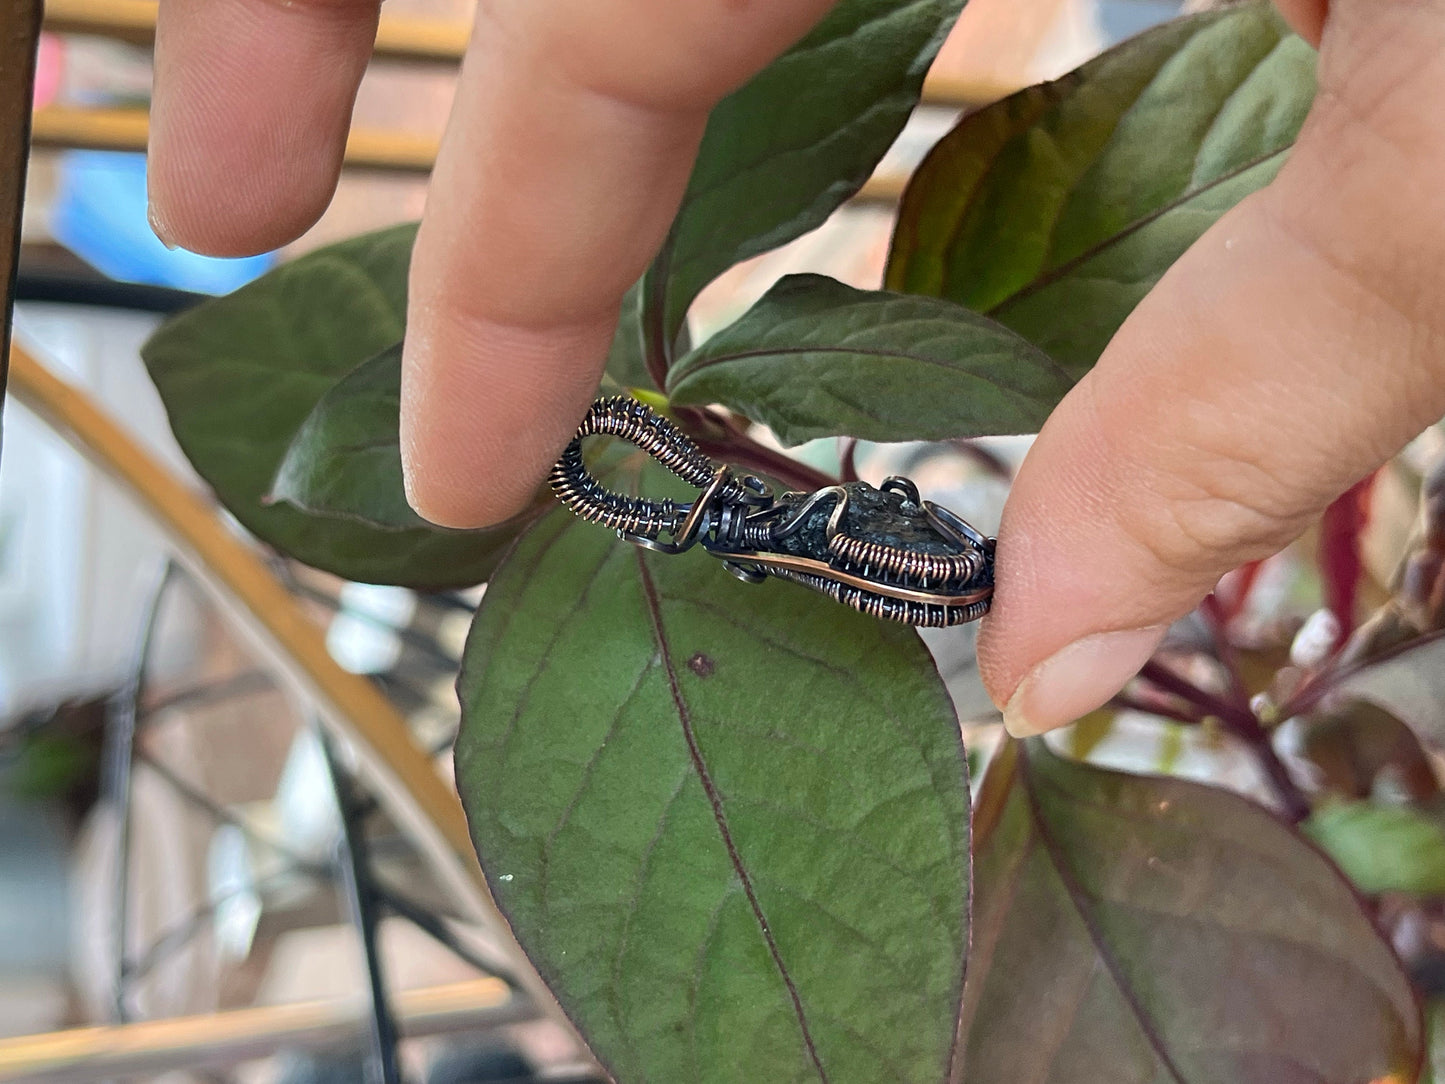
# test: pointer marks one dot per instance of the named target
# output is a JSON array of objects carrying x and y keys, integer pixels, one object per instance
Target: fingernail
[
  {"x": 1077, "y": 679},
  {"x": 158, "y": 227}
]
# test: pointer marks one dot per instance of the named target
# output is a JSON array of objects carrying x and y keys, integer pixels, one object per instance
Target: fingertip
[
  {"x": 993, "y": 669},
  {"x": 266, "y": 211},
  {"x": 249, "y": 118},
  {"x": 461, "y": 510},
  {"x": 487, "y": 408},
  {"x": 159, "y": 225},
  {"x": 1078, "y": 679},
  {"x": 465, "y": 493}
]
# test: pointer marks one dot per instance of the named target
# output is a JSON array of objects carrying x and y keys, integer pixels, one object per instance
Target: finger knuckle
[{"x": 1216, "y": 513}]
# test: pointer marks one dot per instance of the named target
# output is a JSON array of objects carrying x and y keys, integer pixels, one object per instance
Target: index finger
[
  {"x": 248, "y": 124},
  {"x": 569, "y": 146}
]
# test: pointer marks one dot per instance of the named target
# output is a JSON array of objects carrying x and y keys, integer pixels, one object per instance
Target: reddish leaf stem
[
  {"x": 1234, "y": 590},
  {"x": 723, "y": 438},
  {"x": 1341, "y": 566},
  {"x": 1218, "y": 622},
  {"x": 1187, "y": 713},
  {"x": 1242, "y": 723},
  {"x": 1334, "y": 674},
  {"x": 983, "y": 458}
]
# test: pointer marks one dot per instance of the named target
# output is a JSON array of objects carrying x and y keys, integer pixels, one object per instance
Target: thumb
[{"x": 1292, "y": 350}]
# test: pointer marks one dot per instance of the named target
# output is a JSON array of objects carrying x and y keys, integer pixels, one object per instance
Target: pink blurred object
[{"x": 50, "y": 65}]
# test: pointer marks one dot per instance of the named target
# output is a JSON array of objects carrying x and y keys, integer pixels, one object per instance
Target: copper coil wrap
[
  {"x": 630, "y": 420},
  {"x": 920, "y": 614},
  {"x": 924, "y": 569}
]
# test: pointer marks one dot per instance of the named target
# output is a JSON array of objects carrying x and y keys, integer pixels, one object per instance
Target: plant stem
[
  {"x": 848, "y": 466},
  {"x": 1237, "y": 587},
  {"x": 1188, "y": 714},
  {"x": 1218, "y": 623},
  {"x": 983, "y": 458},
  {"x": 1242, "y": 723},
  {"x": 722, "y": 438},
  {"x": 1335, "y": 673}
]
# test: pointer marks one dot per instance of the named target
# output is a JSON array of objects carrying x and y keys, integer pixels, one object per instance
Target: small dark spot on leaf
[{"x": 701, "y": 665}]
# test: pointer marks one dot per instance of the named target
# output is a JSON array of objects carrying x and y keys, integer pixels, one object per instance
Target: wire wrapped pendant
[{"x": 883, "y": 551}]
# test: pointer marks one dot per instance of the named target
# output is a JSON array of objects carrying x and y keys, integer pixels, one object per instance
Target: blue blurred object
[
  {"x": 100, "y": 215},
  {"x": 1120, "y": 19}
]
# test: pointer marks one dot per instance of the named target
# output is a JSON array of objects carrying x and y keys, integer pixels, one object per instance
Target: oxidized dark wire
[{"x": 885, "y": 552}]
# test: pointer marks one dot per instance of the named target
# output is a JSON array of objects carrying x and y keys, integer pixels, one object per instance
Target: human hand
[
  {"x": 570, "y": 143},
  {"x": 1293, "y": 349}
]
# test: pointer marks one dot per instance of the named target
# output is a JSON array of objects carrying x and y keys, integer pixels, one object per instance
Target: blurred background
[{"x": 168, "y": 846}]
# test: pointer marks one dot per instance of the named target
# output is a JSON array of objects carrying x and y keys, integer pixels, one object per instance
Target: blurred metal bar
[
  {"x": 415, "y": 41},
  {"x": 227, "y": 1038},
  {"x": 117, "y": 773},
  {"x": 354, "y": 865},
  {"x": 19, "y": 38},
  {"x": 281, "y": 631},
  {"x": 366, "y": 149}
]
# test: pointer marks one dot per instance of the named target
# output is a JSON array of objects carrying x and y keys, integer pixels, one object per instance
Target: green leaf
[
  {"x": 1383, "y": 848},
  {"x": 783, "y": 152},
  {"x": 1133, "y": 930},
  {"x": 345, "y": 460},
  {"x": 1090, "y": 731},
  {"x": 627, "y": 359},
  {"x": 240, "y": 374},
  {"x": 1055, "y": 210},
  {"x": 729, "y": 823},
  {"x": 815, "y": 358}
]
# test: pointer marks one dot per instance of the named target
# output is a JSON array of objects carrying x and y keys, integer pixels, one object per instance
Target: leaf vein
[{"x": 684, "y": 715}]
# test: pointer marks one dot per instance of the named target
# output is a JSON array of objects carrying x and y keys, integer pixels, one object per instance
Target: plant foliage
[{"x": 731, "y": 824}]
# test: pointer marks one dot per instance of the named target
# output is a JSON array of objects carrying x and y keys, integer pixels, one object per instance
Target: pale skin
[{"x": 1297, "y": 346}]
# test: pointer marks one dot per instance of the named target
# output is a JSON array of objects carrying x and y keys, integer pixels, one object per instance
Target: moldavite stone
[{"x": 873, "y": 516}]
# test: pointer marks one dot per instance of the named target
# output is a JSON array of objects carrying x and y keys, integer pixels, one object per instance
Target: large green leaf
[
  {"x": 1383, "y": 848},
  {"x": 1057, "y": 209},
  {"x": 783, "y": 152},
  {"x": 239, "y": 375},
  {"x": 816, "y": 358},
  {"x": 1134, "y": 930},
  {"x": 729, "y": 823}
]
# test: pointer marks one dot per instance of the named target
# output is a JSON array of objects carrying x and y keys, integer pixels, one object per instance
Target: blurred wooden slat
[
  {"x": 426, "y": 41},
  {"x": 63, "y": 127},
  {"x": 90, "y": 129},
  {"x": 224, "y": 1039},
  {"x": 134, "y": 21},
  {"x": 124, "y": 20}
]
